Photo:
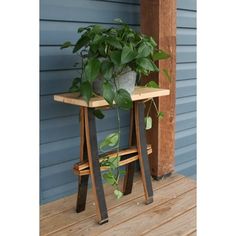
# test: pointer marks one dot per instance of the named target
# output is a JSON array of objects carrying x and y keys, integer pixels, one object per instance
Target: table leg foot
[
  {"x": 101, "y": 222},
  {"x": 149, "y": 200}
]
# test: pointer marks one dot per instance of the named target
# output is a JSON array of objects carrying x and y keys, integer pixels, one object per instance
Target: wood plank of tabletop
[{"x": 140, "y": 93}]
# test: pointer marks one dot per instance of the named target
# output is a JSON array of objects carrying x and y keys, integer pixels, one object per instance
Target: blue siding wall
[
  {"x": 185, "y": 150},
  {"x": 59, "y": 125}
]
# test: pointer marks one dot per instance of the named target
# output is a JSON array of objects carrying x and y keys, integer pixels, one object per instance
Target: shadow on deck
[{"x": 173, "y": 212}]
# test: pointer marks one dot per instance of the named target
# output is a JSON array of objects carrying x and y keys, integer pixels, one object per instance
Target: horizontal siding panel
[
  {"x": 185, "y": 121},
  {"x": 185, "y": 54},
  {"x": 186, "y": 19},
  {"x": 185, "y": 104},
  {"x": 185, "y": 71},
  {"x": 185, "y": 88},
  {"x": 56, "y": 32},
  {"x": 53, "y": 58},
  {"x": 60, "y": 151},
  {"x": 187, "y": 4},
  {"x": 185, "y": 138},
  {"x": 88, "y": 11},
  {"x": 58, "y": 192},
  {"x": 52, "y": 82},
  {"x": 50, "y": 109},
  {"x": 57, "y": 129},
  {"x": 185, "y": 154},
  {"x": 68, "y": 127},
  {"x": 186, "y": 36},
  {"x": 57, "y": 175},
  {"x": 187, "y": 169},
  {"x": 68, "y": 149}
]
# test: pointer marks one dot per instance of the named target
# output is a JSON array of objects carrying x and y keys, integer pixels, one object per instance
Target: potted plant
[{"x": 113, "y": 61}]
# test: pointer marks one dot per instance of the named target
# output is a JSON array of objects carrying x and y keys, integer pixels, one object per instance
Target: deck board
[{"x": 173, "y": 198}]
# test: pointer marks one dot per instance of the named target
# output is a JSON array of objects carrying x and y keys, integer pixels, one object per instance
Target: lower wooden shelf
[{"x": 82, "y": 168}]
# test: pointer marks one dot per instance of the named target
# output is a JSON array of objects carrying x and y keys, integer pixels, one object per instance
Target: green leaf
[
  {"x": 107, "y": 69},
  {"x": 127, "y": 55},
  {"x": 81, "y": 29},
  {"x": 115, "y": 162},
  {"x": 152, "y": 84},
  {"x": 115, "y": 57},
  {"x": 148, "y": 122},
  {"x": 118, "y": 193},
  {"x": 101, "y": 50},
  {"x": 112, "y": 41},
  {"x": 92, "y": 69},
  {"x": 144, "y": 50},
  {"x": 153, "y": 42},
  {"x": 108, "y": 92},
  {"x": 118, "y": 20},
  {"x": 80, "y": 43},
  {"x": 97, "y": 39},
  {"x": 122, "y": 172},
  {"x": 98, "y": 113},
  {"x": 160, "y": 115},
  {"x": 147, "y": 64},
  {"x": 110, "y": 141},
  {"x": 166, "y": 74},
  {"x": 74, "y": 89},
  {"x": 86, "y": 90},
  {"x": 66, "y": 45},
  {"x": 108, "y": 177},
  {"x": 76, "y": 81},
  {"x": 123, "y": 99},
  {"x": 160, "y": 55}
]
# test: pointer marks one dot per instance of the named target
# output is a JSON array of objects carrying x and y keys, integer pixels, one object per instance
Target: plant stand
[{"x": 90, "y": 160}]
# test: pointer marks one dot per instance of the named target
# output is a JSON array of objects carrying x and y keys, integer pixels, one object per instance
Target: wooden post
[{"x": 158, "y": 19}]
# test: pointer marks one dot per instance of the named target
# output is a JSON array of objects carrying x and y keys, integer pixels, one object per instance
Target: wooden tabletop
[{"x": 140, "y": 93}]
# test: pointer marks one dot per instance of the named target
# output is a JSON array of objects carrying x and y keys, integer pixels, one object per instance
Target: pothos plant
[{"x": 107, "y": 52}]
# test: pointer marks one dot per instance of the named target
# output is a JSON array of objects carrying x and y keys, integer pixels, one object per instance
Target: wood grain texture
[
  {"x": 139, "y": 93},
  {"x": 158, "y": 19},
  {"x": 156, "y": 216},
  {"x": 61, "y": 214},
  {"x": 132, "y": 150},
  {"x": 181, "y": 225},
  {"x": 130, "y": 159},
  {"x": 174, "y": 192}
]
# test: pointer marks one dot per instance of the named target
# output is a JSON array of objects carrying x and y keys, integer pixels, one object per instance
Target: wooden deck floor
[{"x": 173, "y": 212}]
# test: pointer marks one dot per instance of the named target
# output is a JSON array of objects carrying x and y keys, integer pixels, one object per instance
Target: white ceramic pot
[{"x": 125, "y": 81}]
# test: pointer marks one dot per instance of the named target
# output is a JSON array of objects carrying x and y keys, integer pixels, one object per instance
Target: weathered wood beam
[{"x": 158, "y": 19}]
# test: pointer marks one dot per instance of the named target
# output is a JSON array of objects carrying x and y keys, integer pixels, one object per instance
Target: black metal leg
[
  {"x": 83, "y": 180},
  {"x": 97, "y": 186},
  {"x": 82, "y": 193},
  {"x": 129, "y": 176},
  {"x": 142, "y": 150}
]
